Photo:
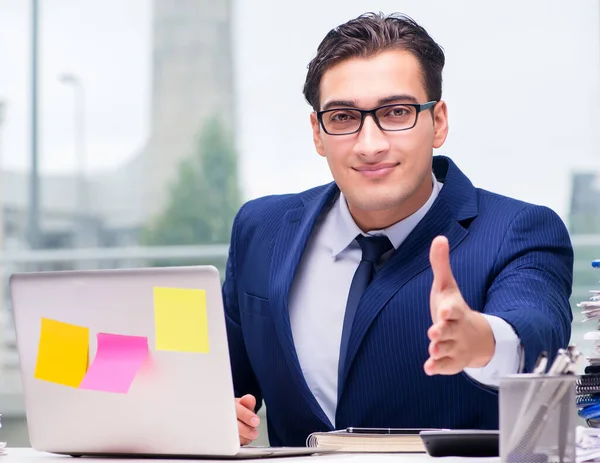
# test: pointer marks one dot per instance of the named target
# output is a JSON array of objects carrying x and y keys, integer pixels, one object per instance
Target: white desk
[{"x": 26, "y": 455}]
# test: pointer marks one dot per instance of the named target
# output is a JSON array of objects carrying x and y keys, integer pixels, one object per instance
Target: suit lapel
[
  {"x": 295, "y": 230},
  {"x": 410, "y": 259},
  {"x": 457, "y": 201}
]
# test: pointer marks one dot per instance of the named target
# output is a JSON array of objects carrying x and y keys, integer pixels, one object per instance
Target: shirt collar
[{"x": 345, "y": 229}]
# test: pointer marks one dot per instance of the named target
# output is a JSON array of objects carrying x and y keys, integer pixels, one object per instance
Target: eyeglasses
[{"x": 391, "y": 118}]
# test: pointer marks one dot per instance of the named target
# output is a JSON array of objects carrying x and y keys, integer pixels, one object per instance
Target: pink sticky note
[{"x": 117, "y": 361}]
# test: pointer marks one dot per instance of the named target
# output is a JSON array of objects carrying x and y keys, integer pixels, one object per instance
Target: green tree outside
[{"x": 203, "y": 199}]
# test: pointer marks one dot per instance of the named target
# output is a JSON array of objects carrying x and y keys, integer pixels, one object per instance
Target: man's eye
[
  {"x": 341, "y": 117},
  {"x": 398, "y": 112}
]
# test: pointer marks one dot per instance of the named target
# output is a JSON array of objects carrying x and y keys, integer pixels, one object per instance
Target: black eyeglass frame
[{"x": 365, "y": 112}]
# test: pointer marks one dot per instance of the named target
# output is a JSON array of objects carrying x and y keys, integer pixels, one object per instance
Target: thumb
[
  {"x": 248, "y": 401},
  {"x": 439, "y": 256}
]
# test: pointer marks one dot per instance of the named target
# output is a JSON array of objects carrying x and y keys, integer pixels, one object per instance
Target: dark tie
[{"x": 373, "y": 247}]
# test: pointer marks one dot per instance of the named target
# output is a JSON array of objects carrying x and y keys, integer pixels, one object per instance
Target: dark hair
[{"x": 368, "y": 35}]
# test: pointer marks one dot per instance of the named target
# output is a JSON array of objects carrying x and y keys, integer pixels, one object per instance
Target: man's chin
[{"x": 374, "y": 201}]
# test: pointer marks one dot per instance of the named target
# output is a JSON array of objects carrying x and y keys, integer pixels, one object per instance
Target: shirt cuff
[{"x": 507, "y": 354}]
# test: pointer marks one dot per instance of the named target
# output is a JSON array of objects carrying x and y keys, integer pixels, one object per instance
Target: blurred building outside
[{"x": 192, "y": 89}]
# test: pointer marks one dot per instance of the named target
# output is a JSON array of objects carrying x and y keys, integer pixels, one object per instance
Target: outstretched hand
[{"x": 460, "y": 337}]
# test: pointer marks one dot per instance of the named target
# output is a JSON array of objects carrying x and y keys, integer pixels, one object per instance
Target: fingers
[
  {"x": 451, "y": 309},
  {"x": 248, "y": 401},
  {"x": 443, "y": 366},
  {"x": 460, "y": 338},
  {"x": 446, "y": 301},
  {"x": 244, "y": 441},
  {"x": 439, "y": 256},
  {"x": 248, "y": 421},
  {"x": 447, "y": 307},
  {"x": 445, "y": 330},
  {"x": 445, "y": 351},
  {"x": 246, "y": 433},
  {"x": 439, "y": 350}
]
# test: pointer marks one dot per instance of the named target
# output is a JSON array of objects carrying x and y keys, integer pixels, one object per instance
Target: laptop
[{"x": 128, "y": 362}]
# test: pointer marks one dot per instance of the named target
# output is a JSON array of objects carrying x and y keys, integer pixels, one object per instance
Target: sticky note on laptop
[
  {"x": 117, "y": 361},
  {"x": 180, "y": 320},
  {"x": 62, "y": 353}
]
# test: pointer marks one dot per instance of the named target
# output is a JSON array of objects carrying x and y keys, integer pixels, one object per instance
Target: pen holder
[{"x": 538, "y": 417}]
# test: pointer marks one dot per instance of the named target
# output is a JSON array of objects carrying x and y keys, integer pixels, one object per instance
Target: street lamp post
[
  {"x": 79, "y": 124},
  {"x": 2, "y": 294},
  {"x": 33, "y": 231}
]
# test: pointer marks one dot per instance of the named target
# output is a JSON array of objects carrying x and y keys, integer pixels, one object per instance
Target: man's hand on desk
[
  {"x": 247, "y": 419},
  {"x": 460, "y": 337}
]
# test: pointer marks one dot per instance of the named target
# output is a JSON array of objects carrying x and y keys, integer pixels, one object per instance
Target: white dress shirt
[{"x": 319, "y": 293}]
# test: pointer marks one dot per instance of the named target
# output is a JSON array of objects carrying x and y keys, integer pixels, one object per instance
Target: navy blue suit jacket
[{"x": 510, "y": 259}]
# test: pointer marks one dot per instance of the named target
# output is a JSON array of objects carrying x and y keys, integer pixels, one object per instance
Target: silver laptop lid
[{"x": 125, "y": 361}]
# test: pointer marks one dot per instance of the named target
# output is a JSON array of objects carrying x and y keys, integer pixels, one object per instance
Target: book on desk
[
  {"x": 386, "y": 440},
  {"x": 435, "y": 442}
]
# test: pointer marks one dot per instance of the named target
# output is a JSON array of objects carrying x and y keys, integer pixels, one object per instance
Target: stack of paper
[
  {"x": 588, "y": 386},
  {"x": 2, "y": 445},
  {"x": 588, "y": 444},
  {"x": 591, "y": 311}
]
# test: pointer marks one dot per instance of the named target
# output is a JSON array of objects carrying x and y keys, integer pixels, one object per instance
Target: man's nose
[{"x": 371, "y": 139}]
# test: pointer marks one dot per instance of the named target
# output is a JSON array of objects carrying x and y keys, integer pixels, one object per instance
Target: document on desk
[
  {"x": 588, "y": 444},
  {"x": 369, "y": 440},
  {"x": 2, "y": 445}
]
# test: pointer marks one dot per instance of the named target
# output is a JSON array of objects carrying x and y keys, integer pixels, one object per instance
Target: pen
[
  {"x": 540, "y": 364},
  {"x": 560, "y": 363}
]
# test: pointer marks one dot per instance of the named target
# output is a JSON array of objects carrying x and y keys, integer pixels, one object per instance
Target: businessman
[{"x": 399, "y": 294}]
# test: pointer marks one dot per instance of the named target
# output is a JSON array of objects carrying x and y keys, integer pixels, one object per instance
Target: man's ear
[
  {"x": 316, "y": 129},
  {"x": 440, "y": 124}
]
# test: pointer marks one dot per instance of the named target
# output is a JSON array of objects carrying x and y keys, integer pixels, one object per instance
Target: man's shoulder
[
  {"x": 489, "y": 198},
  {"x": 258, "y": 210},
  {"x": 503, "y": 207},
  {"x": 484, "y": 202}
]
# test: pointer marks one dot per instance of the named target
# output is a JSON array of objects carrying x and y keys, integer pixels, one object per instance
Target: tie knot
[{"x": 373, "y": 247}]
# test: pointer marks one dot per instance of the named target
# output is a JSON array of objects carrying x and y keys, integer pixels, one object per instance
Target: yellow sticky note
[
  {"x": 62, "y": 353},
  {"x": 180, "y": 320}
]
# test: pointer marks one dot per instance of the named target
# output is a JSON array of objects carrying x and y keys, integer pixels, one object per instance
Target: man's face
[{"x": 380, "y": 170}]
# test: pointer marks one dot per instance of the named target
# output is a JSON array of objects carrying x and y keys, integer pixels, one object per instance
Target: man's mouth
[{"x": 376, "y": 170}]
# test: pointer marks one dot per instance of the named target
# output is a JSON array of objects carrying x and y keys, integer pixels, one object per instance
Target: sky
[{"x": 522, "y": 83}]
